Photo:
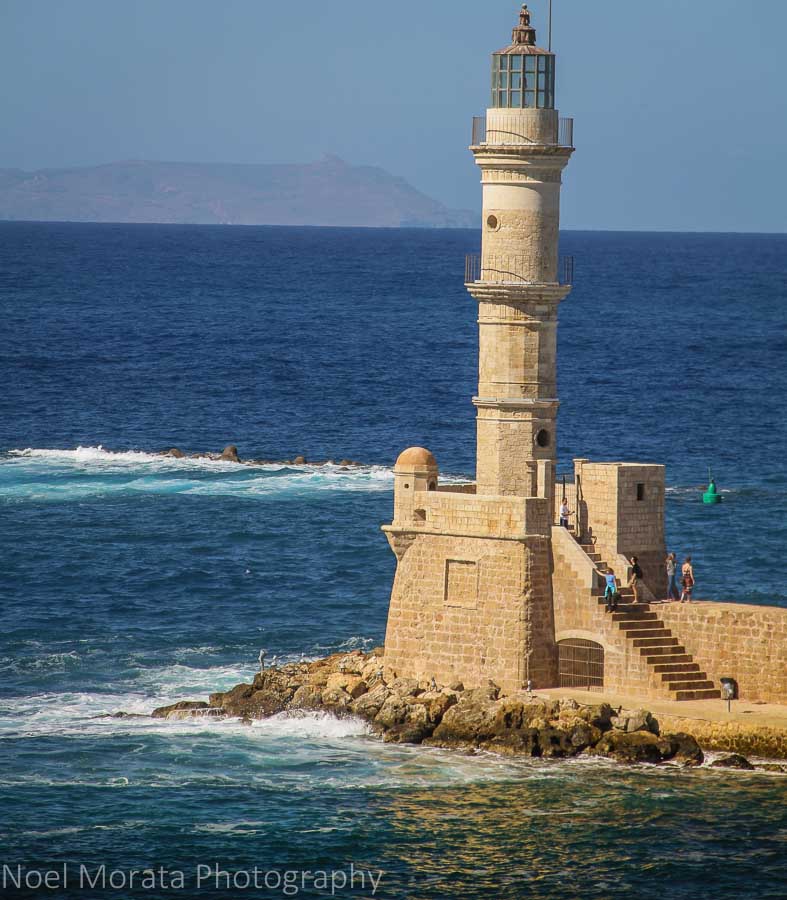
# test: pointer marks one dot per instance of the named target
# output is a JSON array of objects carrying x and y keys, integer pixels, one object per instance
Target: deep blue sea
[{"x": 128, "y": 581}]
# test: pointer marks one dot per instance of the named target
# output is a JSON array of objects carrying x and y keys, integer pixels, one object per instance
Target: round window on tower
[
  {"x": 492, "y": 223},
  {"x": 543, "y": 438}
]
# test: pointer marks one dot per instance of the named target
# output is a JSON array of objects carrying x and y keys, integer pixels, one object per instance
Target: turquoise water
[{"x": 130, "y": 581}]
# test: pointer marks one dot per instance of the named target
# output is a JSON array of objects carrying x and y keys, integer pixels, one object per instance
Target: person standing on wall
[
  {"x": 565, "y": 512},
  {"x": 635, "y": 578},
  {"x": 687, "y": 573},
  {"x": 671, "y": 565}
]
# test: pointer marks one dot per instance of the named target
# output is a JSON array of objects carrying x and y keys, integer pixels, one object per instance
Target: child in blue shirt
[{"x": 611, "y": 591}]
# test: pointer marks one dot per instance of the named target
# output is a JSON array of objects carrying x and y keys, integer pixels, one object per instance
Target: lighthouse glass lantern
[{"x": 523, "y": 75}]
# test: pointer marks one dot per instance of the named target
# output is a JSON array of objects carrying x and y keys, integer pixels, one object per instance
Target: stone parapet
[{"x": 450, "y": 513}]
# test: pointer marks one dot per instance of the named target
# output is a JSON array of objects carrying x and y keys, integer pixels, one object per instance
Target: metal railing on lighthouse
[
  {"x": 483, "y": 136},
  {"x": 504, "y": 269}
]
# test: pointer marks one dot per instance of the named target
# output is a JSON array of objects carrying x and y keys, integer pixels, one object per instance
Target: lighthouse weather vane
[{"x": 525, "y": 18}]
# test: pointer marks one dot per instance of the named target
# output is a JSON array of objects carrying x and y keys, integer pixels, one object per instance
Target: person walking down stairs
[{"x": 635, "y": 578}]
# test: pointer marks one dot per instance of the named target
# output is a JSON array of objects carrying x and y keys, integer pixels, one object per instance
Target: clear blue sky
[{"x": 680, "y": 105}]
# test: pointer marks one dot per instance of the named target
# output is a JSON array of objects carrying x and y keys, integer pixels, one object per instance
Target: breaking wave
[{"x": 42, "y": 474}]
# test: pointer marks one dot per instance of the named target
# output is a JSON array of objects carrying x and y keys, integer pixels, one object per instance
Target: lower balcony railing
[{"x": 506, "y": 269}]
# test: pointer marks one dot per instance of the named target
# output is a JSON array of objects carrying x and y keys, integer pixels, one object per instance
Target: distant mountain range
[{"x": 328, "y": 192}]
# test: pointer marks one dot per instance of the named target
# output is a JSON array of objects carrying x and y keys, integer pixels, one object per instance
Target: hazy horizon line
[{"x": 567, "y": 228}]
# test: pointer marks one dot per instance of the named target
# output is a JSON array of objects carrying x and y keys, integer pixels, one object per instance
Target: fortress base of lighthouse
[{"x": 472, "y": 596}]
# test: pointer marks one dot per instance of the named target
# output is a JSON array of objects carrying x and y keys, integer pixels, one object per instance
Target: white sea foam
[
  {"x": 695, "y": 491},
  {"x": 312, "y": 725},
  {"x": 97, "y": 455},
  {"x": 51, "y": 474},
  {"x": 89, "y": 711}
]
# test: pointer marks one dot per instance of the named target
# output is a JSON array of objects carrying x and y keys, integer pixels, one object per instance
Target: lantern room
[{"x": 523, "y": 75}]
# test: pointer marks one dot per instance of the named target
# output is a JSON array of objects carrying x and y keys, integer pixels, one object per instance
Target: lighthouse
[
  {"x": 489, "y": 587},
  {"x": 521, "y": 147}
]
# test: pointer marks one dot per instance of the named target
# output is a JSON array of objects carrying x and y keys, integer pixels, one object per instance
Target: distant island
[{"x": 328, "y": 192}]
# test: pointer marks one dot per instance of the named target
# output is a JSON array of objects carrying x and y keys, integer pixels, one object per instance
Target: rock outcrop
[
  {"x": 403, "y": 710},
  {"x": 183, "y": 710},
  {"x": 734, "y": 761},
  {"x": 230, "y": 454}
]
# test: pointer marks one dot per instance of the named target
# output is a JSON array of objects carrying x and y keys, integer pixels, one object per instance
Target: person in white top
[{"x": 565, "y": 512}]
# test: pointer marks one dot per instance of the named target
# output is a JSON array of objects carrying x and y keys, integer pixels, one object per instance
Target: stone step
[
  {"x": 637, "y": 634},
  {"x": 679, "y": 686},
  {"x": 629, "y": 608},
  {"x": 679, "y": 677},
  {"x": 651, "y": 643},
  {"x": 623, "y": 617},
  {"x": 674, "y": 666},
  {"x": 666, "y": 651},
  {"x": 644, "y": 625},
  {"x": 668, "y": 658},
  {"x": 654, "y": 638},
  {"x": 698, "y": 695}
]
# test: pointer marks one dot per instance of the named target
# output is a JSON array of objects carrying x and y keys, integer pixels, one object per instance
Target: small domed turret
[
  {"x": 415, "y": 458},
  {"x": 415, "y": 471}
]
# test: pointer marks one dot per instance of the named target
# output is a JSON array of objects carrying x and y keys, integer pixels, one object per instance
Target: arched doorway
[{"x": 580, "y": 664}]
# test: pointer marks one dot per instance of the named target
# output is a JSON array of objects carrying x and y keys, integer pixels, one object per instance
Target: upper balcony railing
[
  {"x": 499, "y": 138},
  {"x": 505, "y": 269}
]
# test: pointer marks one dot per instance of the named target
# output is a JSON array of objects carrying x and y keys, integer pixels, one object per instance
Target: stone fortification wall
[
  {"x": 747, "y": 643},
  {"x": 471, "y": 609},
  {"x": 621, "y": 511},
  {"x": 452, "y": 513}
]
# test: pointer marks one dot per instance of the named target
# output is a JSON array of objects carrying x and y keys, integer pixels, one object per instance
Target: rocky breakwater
[
  {"x": 230, "y": 454},
  {"x": 404, "y": 710}
]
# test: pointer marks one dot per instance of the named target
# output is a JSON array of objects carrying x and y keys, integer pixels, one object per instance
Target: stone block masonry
[
  {"x": 747, "y": 643},
  {"x": 471, "y": 609},
  {"x": 621, "y": 512},
  {"x": 485, "y": 588}
]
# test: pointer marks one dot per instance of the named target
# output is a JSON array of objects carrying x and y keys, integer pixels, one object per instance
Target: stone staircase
[{"x": 671, "y": 667}]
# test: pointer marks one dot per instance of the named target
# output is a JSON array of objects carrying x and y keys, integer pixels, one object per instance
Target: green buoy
[{"x": 712, "y": 495}]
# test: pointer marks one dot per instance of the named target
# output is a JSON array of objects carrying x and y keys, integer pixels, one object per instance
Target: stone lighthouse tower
[
  {"x": 489, "y": 585},
  {"x": 472, "y": 597},
  {"x": 517, "y": 284}
]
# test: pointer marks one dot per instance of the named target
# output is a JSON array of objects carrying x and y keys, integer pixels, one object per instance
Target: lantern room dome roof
[
  {"x": 523, "y": 39},
  {"x": 416, "y": 457}
]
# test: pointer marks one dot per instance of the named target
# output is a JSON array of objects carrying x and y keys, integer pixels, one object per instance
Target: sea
[{"x": 128, "y": 580}]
